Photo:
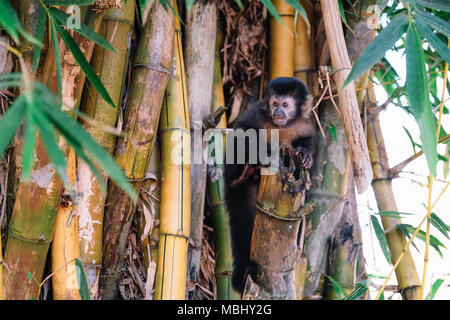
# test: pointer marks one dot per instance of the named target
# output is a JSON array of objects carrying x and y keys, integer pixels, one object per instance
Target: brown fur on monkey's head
[{"x": 287, "y": 99}]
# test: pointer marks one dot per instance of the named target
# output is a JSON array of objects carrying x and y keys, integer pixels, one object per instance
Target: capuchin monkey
[{"x": 287, "y": 107}]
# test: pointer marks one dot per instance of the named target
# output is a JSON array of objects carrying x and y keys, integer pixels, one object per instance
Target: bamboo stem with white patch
[{"x": 112, "y": 68}]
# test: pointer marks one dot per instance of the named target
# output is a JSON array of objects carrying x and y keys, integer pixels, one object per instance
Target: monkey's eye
[
  {"x": 285, "y": 105},
  {"x": 275, "y": 104}
]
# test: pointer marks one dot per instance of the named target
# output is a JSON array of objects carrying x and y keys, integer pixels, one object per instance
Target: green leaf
[
  {"x": 299, "y": 8},
  {"x": 239, "y": 3},
  {"x": 83, "y": 287},
  {"x": 48, "y": 137},
  {"x": 70, "y": 127},
  {"x": 377, "y": 48},
  {"x": 433, "y": 39},
  {"x": 84, "y": 30},
  {"x": 434, "y": 288},
  {"x": 8, "y": 80},
  {"x": 439, "y": 224},
  {"x": 446, "y": 166},
  {"x": 273, "y": 11},
  {"x": 393, "y": 214},
  {"x": 84, "y": 64},
  {"x": 57, "y": 58},
  {"x": 68, "y": 2},
  {"x": 381, "y": 238},
  {"x": 440, "y": 5},
  {"x": 189, "y": 4},
  {"x": 356, "y": 293},
  {"x": 342, "y": 12},
  {"x": 30, "y": 277},
  {"x": 433, "y": 22},
  {"x": 340, "y": 291},
  {"x": 10, "y": 122},
  {"x": 40, "y": 30},
  {"x": 421, "y": 235},
  {"x": 417, "y": 85},
  {"x": 333, "y": 132},
  {"x": 29, "y": 144},
  {"x": 413, "y": 143},
  {"x": 9, "y": 20}
]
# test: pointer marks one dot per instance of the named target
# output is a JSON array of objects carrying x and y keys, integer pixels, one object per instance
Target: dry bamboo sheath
[{"x": 354, "y": 130}]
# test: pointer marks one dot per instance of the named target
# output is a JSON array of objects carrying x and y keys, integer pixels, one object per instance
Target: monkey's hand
[
  {"x": 249, "y": 171},
  {"x": 306, "y": 157}
]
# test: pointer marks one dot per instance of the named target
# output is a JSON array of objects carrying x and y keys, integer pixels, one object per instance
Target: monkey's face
[{"x": 282, "y": 109}]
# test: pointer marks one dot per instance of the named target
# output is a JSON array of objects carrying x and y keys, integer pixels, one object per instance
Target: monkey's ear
[{"x": 306, "y": 107}]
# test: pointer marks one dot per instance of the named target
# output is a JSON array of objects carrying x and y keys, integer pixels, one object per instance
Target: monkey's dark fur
[{"x": 296, "y": 128}]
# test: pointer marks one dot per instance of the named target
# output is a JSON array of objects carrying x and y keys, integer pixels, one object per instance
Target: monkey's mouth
[{"x": 279, "y": 120}]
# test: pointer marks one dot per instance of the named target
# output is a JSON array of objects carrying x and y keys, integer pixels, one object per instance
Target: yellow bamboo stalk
[
  {"x": 407, "y": 277},
  {"x": 303, "y": 49},
  {"x": 175, "y": 183},
  {"x": 65, "y": 245},
  {"x": 281, "y": 47}
]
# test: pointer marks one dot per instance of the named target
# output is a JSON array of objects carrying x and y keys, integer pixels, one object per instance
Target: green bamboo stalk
[
  {"x": 153, "y": 65},
  {"x": 112, "y": 67},
  {"x": 216, "y": 191}
]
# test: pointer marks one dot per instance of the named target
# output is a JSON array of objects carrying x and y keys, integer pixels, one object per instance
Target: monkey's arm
[{"x": 304, "y": 145}]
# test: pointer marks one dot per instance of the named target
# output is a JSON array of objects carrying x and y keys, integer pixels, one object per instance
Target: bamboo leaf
[
  {"x": 413, "y": 143},
  {"x": 29, "y": 144},
  {"x": 433, "y": 39},
  {"x": 434, "y": 288},
  {"x": 189, "y": 4},
  {"x": 393, "y": 214},
  {"x": 340, "y": 291},
  {"x": 42, "y": 20},
  {"x": 299, "y": 8},
  {"x": 421, "y": 235},
  {"x": 417, "y": 85},
  {"x": 381, "y": 238},
  {"x": 356, "y": 293},
  {"x": 273, "y": 11},
  {"x": 57, "y": 58},
  {"x": 439, "y": 224},
  {"x": 84, "y": 64},
  {"x": 9, "y": 20},
  {"x": 83, "y": 287},
  {"x": 8, "y": 80},
  {"x": 70, "y": 127},
  {"x": 433, "y": 22},
  {"x": 10, "y": 122},
  {"x": 342, "y": 12},
  {"x": 51, "y": 145},
  {"x": 440, "y": 5},
  {"x": 68, "y": 2},
  {"x": 84, "y": 30},
  {"x": 377, "y": 48}
]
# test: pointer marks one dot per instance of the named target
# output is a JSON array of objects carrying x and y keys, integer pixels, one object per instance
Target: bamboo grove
[{"x": 97, "y": 99}]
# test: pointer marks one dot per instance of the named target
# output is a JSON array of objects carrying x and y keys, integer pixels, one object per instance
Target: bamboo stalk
[
  {"x": 343, "y": 259},
  {"x": 175, "y": 207},
  {"x": 153, "y": 64},
  {"x": 273, "y": 251},
  {"x": 349, "y": 109},
  {"x": 200, "y": 43},
  {"x": 65, "y": 246},
  {"x": 33, "y": 219},
  {"x": 407, "y": 277},
  {"x": 304, "y": 63},
  {"x": 216, "y": 192},
  {"x": 117, "y": 28},
  {"x": 281, "y": 46}
]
